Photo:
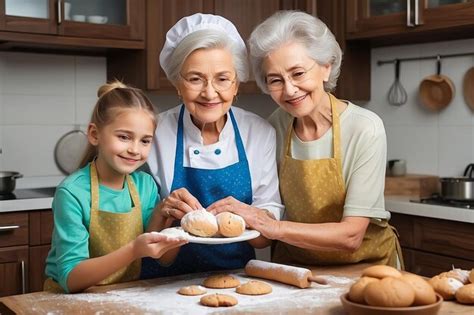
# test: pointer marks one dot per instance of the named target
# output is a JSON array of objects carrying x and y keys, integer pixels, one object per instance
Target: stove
[
  {"x": 33, "y": 193},
  {"x": 437, "y": 200}
]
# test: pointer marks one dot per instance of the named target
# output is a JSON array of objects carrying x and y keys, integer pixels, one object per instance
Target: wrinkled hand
[
  {"x": 154, "y": 245},
  {"x": 178, "y": 203}
]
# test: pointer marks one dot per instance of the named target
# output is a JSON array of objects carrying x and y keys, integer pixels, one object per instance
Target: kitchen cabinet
[
  {"x": 410, "y": 20},
  {"x": 431, "y": 246},
  {"x": 25, "y": 239},
  {"x": 77, "y": 23}
]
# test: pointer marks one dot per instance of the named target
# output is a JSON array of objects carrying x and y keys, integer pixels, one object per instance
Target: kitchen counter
[
  {"x": 27, "y": 199},
  {"x": 402, "y": 204},
  {"x": 159, "y": 296}
]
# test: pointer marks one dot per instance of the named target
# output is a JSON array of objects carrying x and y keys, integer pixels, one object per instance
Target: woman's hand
[
  {"x": 178, "y": 203},
  {"x": 257, "y": 219},
  {"x": 155, "y": 245}
]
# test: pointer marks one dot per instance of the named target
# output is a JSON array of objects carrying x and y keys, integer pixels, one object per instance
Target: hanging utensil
[
  {"x": 437, "y": 90},
  {"x": 468, "y": 88},
  {"x": 70, "y": 149},
  {"x": 396, "y": 94}
]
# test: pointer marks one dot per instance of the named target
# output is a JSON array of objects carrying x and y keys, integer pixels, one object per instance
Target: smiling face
[
  {"x": 298, "y": 96},
  {"x": 124, "y": 144},
  {"x": 211, "y": 65}
]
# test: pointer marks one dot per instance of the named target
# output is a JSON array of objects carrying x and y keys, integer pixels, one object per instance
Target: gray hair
[
  {"x": 208, "y": 39},
  {"x": 285, "y": 27}
]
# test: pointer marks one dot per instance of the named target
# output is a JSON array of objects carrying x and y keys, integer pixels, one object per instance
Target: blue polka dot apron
[{"x": 208, "y": 186}]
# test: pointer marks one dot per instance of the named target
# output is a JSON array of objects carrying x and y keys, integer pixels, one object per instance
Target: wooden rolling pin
[{"x": 300, "y": 277}]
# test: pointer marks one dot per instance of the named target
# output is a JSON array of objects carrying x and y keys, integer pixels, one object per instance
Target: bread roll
[
  {"x": 381, "y": 271},
  {"x": 458, "y": 274},
  {"x": 389, "y": 291},
  {"x": 199, "y": 223},
  {"x": 471, "y": 276},
  {"x": 445, "y": 286},
  {"x": 356, "y": 292},
  {"x": 424, "y": 292},
  {"x": 465, "y": 294},
  {"x": 230, "y": 225}
]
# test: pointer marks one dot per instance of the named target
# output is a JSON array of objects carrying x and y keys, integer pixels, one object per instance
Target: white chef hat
[{"x": 191, "y": 24}]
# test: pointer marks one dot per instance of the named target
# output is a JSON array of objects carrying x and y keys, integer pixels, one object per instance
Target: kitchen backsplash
[{"x": 43, "y": 96}]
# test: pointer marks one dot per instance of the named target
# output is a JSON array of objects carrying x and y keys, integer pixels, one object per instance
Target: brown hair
[{"x": 115, "y": 96}]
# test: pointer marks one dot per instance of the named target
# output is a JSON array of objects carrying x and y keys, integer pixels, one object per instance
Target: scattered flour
[{"x": 175, "y": 232}]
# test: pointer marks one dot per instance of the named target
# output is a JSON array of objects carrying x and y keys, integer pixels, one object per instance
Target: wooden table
[{"x": 99, "y": 300}]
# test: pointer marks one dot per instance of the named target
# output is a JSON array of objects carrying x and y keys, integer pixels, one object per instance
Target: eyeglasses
[
  {"x": 197, "y": 83},
  {"x": 298, "y": 76}
]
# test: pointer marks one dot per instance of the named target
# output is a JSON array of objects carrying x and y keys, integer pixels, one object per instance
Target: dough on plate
[
  {"x": 192, "y": 290},
  {"x": 217, "y": 299},
  {"x": 471, "y": 276},
  {"x": 200, "y": 223},
  {"x": 175, "y": 233},
  {"x": 356, "y": 292},
  {"x": 458, "y": 274},
  {"x": 381, "y": 271},
  {"x": 221, "y": 281},
  {"x": 389, "y": 291},
  {"x": 424, "y": 292},
  {"x": 465, "y": 294},
  {"x": 230, "y": 225},
  {"x": 445, "y": 286},
  {"x": 254, "y": 287}
]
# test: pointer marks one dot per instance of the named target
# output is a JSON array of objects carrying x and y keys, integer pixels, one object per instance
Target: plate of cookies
[{"x": 202, "y": 227}]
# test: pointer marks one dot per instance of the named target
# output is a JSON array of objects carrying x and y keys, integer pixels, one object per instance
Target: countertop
[
  {"x": 158, "y": 296},
  {"x": 28, "y": 199}
]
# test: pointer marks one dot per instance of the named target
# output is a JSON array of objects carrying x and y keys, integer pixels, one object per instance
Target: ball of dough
[
  {"x": 458, "y": 274},
  {"x": 192, "y": 290},
  {"x": 230, "y": 225},
  {"x": 221, "y": 281},
  {"x": 200, "y": 223},
  {"x": 465, "y": 294},
  {"x": 356, "y": 292},
  {"x": 381, "y": 271},
  {"x": 391, "y": 292},
  {"x": 254, "y": 287},
  {"x": 217, "y": 299},
  {"x": 175, "y": 233},
  {"x": 471, "y": 276},
  {"x": 445, "y": 286},
  {"x": 424, "y": 292}
]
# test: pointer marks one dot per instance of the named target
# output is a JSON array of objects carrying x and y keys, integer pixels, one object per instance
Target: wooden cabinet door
[
  {"x": 13, "y": 270},
  {"x": 38, "y": 17},
  {"x": 36, "y": 273}
]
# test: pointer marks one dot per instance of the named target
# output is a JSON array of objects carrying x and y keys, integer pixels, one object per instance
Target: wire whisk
[{"x": 396, "y": 94}]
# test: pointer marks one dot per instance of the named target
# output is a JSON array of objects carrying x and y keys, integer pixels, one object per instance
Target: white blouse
[{"x": 258, "y": 138}]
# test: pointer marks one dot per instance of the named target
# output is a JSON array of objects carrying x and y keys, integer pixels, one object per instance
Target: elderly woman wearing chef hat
[{"x": 206, "y": 150}]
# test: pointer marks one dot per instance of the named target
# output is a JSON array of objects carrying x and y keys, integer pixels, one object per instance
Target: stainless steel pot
[
  {"x": 8, "y": 181},
  {"x": 459, "y": 188}
]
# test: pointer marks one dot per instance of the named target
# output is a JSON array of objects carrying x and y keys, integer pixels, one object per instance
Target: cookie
[
  {"x": 217, "y": 299},
  {"x": 356, "y": 292},
  {"x": 230, "y": 225},
  {"x": 445, "y": 286},
  {"x": 424, "y": 292},
  {"x": 391, "y": 292},
  {"x": 465, "y": 294},
  {"x": 381, "y": 271},
  {"x": 200, "y": 223},
  {"x": 254, "y": 287},
  {"x": 221, "y": 281},
  {"x": 192, "y": 290}
]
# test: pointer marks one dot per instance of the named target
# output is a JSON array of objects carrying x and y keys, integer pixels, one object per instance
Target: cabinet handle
[
  {"x": 417, "y": 13},
  {"x": 9, "y": 228},
  {"x": 59, "y": 12},
  {"x": 23, "y": 278},
  {"x": 409, "y": 21}
]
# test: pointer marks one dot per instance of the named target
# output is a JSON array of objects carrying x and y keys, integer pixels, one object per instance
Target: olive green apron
[
  {"x": 313, "y": 191},
  {"x": 110, "y": 231}
]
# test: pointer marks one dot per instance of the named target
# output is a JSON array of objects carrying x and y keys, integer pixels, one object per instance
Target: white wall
[
  {"x": 42, "y": 97},
  {"x": 432, "y": 143}
]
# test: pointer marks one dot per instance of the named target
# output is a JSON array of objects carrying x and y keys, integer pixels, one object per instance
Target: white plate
[{"x": 247, "y": 235}]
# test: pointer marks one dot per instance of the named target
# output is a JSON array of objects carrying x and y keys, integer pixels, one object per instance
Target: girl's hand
[
  {"x": 178, "y": 203},
  {"x": 154, "y": 245}
]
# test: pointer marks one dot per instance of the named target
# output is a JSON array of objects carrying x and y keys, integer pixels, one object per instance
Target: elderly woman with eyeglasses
[
  {"x": 206, "y": 150},
  {"x": 332, "y": 153}
]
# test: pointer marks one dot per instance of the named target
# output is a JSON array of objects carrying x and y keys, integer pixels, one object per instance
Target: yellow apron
[
  {"x": 109, "y": 231},
  {"x": 313, "y": 191}
]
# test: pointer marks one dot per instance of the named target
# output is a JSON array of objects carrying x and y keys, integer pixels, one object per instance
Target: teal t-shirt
[{"x": 71, "y": 210}]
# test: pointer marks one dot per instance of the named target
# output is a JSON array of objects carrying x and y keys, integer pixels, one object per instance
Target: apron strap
[{"x": 94, "y": 186}]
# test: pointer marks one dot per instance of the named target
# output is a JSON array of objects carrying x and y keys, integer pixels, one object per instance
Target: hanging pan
[
  {"x": 468, "y": 88},
  {"x": 436, "y": 91},
  {"x": 69, "y": 150}
]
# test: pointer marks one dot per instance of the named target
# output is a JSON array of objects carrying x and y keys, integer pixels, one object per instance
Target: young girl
[{"x": 100, "y": 211}]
